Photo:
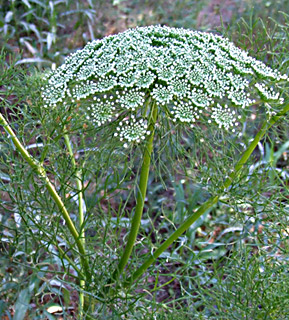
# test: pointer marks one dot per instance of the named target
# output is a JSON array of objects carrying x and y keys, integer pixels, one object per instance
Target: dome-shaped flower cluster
[{"x": 189, "y": 73}]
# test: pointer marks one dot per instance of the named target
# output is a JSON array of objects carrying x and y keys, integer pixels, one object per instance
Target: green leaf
[
  {"x": 4, "y": 176},
  {"x": 281, "y": 150},
  {"x": 66, "y": 295},
  {"x": 22, "y": 304}
]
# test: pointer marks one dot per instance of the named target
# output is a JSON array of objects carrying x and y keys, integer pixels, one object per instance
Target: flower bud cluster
[{"x": 184, "y": 71}]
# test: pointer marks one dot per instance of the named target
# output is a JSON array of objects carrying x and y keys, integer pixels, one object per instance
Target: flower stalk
[
  {"x": 142, "y": 188},
  {"x": 191, "y": 77},
  {"x": 212, "y": 201},
  {"x": 79, "y": 187},
  {"x": 39, "y": 169}
]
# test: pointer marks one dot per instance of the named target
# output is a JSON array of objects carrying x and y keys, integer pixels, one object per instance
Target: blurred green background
[{"x": 46, "y": 31}]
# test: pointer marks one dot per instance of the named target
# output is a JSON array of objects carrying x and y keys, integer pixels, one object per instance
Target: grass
[{"x": 230, "y": 264}]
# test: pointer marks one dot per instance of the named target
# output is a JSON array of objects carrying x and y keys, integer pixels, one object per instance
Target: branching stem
[
  {"x": 79, "y": 187},
  {"x": 212, "y": 201},
  {"x": 142, "y": 188},
  {"x": 39, "y": 169}
]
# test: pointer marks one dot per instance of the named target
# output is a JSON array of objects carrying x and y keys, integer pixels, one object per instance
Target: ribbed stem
[
  {"x": 142, "y": 188},
  {"x": 211, "y": 202},
  {"x": 79, "y": 187},
  {"x": 39, "y": 169}
]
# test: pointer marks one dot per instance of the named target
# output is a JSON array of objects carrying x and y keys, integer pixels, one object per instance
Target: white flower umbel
[
  {"x": 53, "y": 95},
  {"x": 185, "y": 112},
  {"x": 129, "y": 79},
  {"x": 106, "y": 83},
  {"x": 83, "y": 90},
  {"x": 181, "y": 70},
  {"x": 132, "y": 130},
  {"x": 166, "y": 74},
  {"x": 240, "y": 98},
  {"x": 200, "y": 98},
  {"x": 145, "y": 79},
  {"x": 162, "y": 94},
  {"x": 224, "y": 117},
  {"x": 130, "y": 99},
  {"x": 268, "y": 94},
  {"x": 180, "y": 87},
  {"x": 266, "y": 72},
  {"x": 101, "y": 111}
]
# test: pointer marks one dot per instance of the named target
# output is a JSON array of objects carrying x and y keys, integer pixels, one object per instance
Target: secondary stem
[
  {"x": 80, "y": 213},
  {"x": 38, "y": 167},
  {"x": 142, "y": 188},
  {"x": 79, "y": 187},
  {"x": 211, "y": 202}
]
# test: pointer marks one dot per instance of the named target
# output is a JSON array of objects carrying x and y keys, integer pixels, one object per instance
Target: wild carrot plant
[{"x": 126, "y": 88}]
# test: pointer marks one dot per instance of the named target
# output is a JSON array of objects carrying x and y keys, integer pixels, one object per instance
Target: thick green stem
[
  {"x": 211, "y": 202},
  {"x": 39, "y": 169},
  {"x": 265, "y": 127},
  {"x": 142, "y": 188},
  {"x": 206, "y": 206},
  {"x": 80, "y": 214}
]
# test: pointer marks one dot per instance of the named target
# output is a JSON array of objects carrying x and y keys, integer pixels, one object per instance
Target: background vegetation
[{"x": 231, "y": 264}]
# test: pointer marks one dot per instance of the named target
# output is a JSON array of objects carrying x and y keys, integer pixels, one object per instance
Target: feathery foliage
[{"x": 77, "y": 197}]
